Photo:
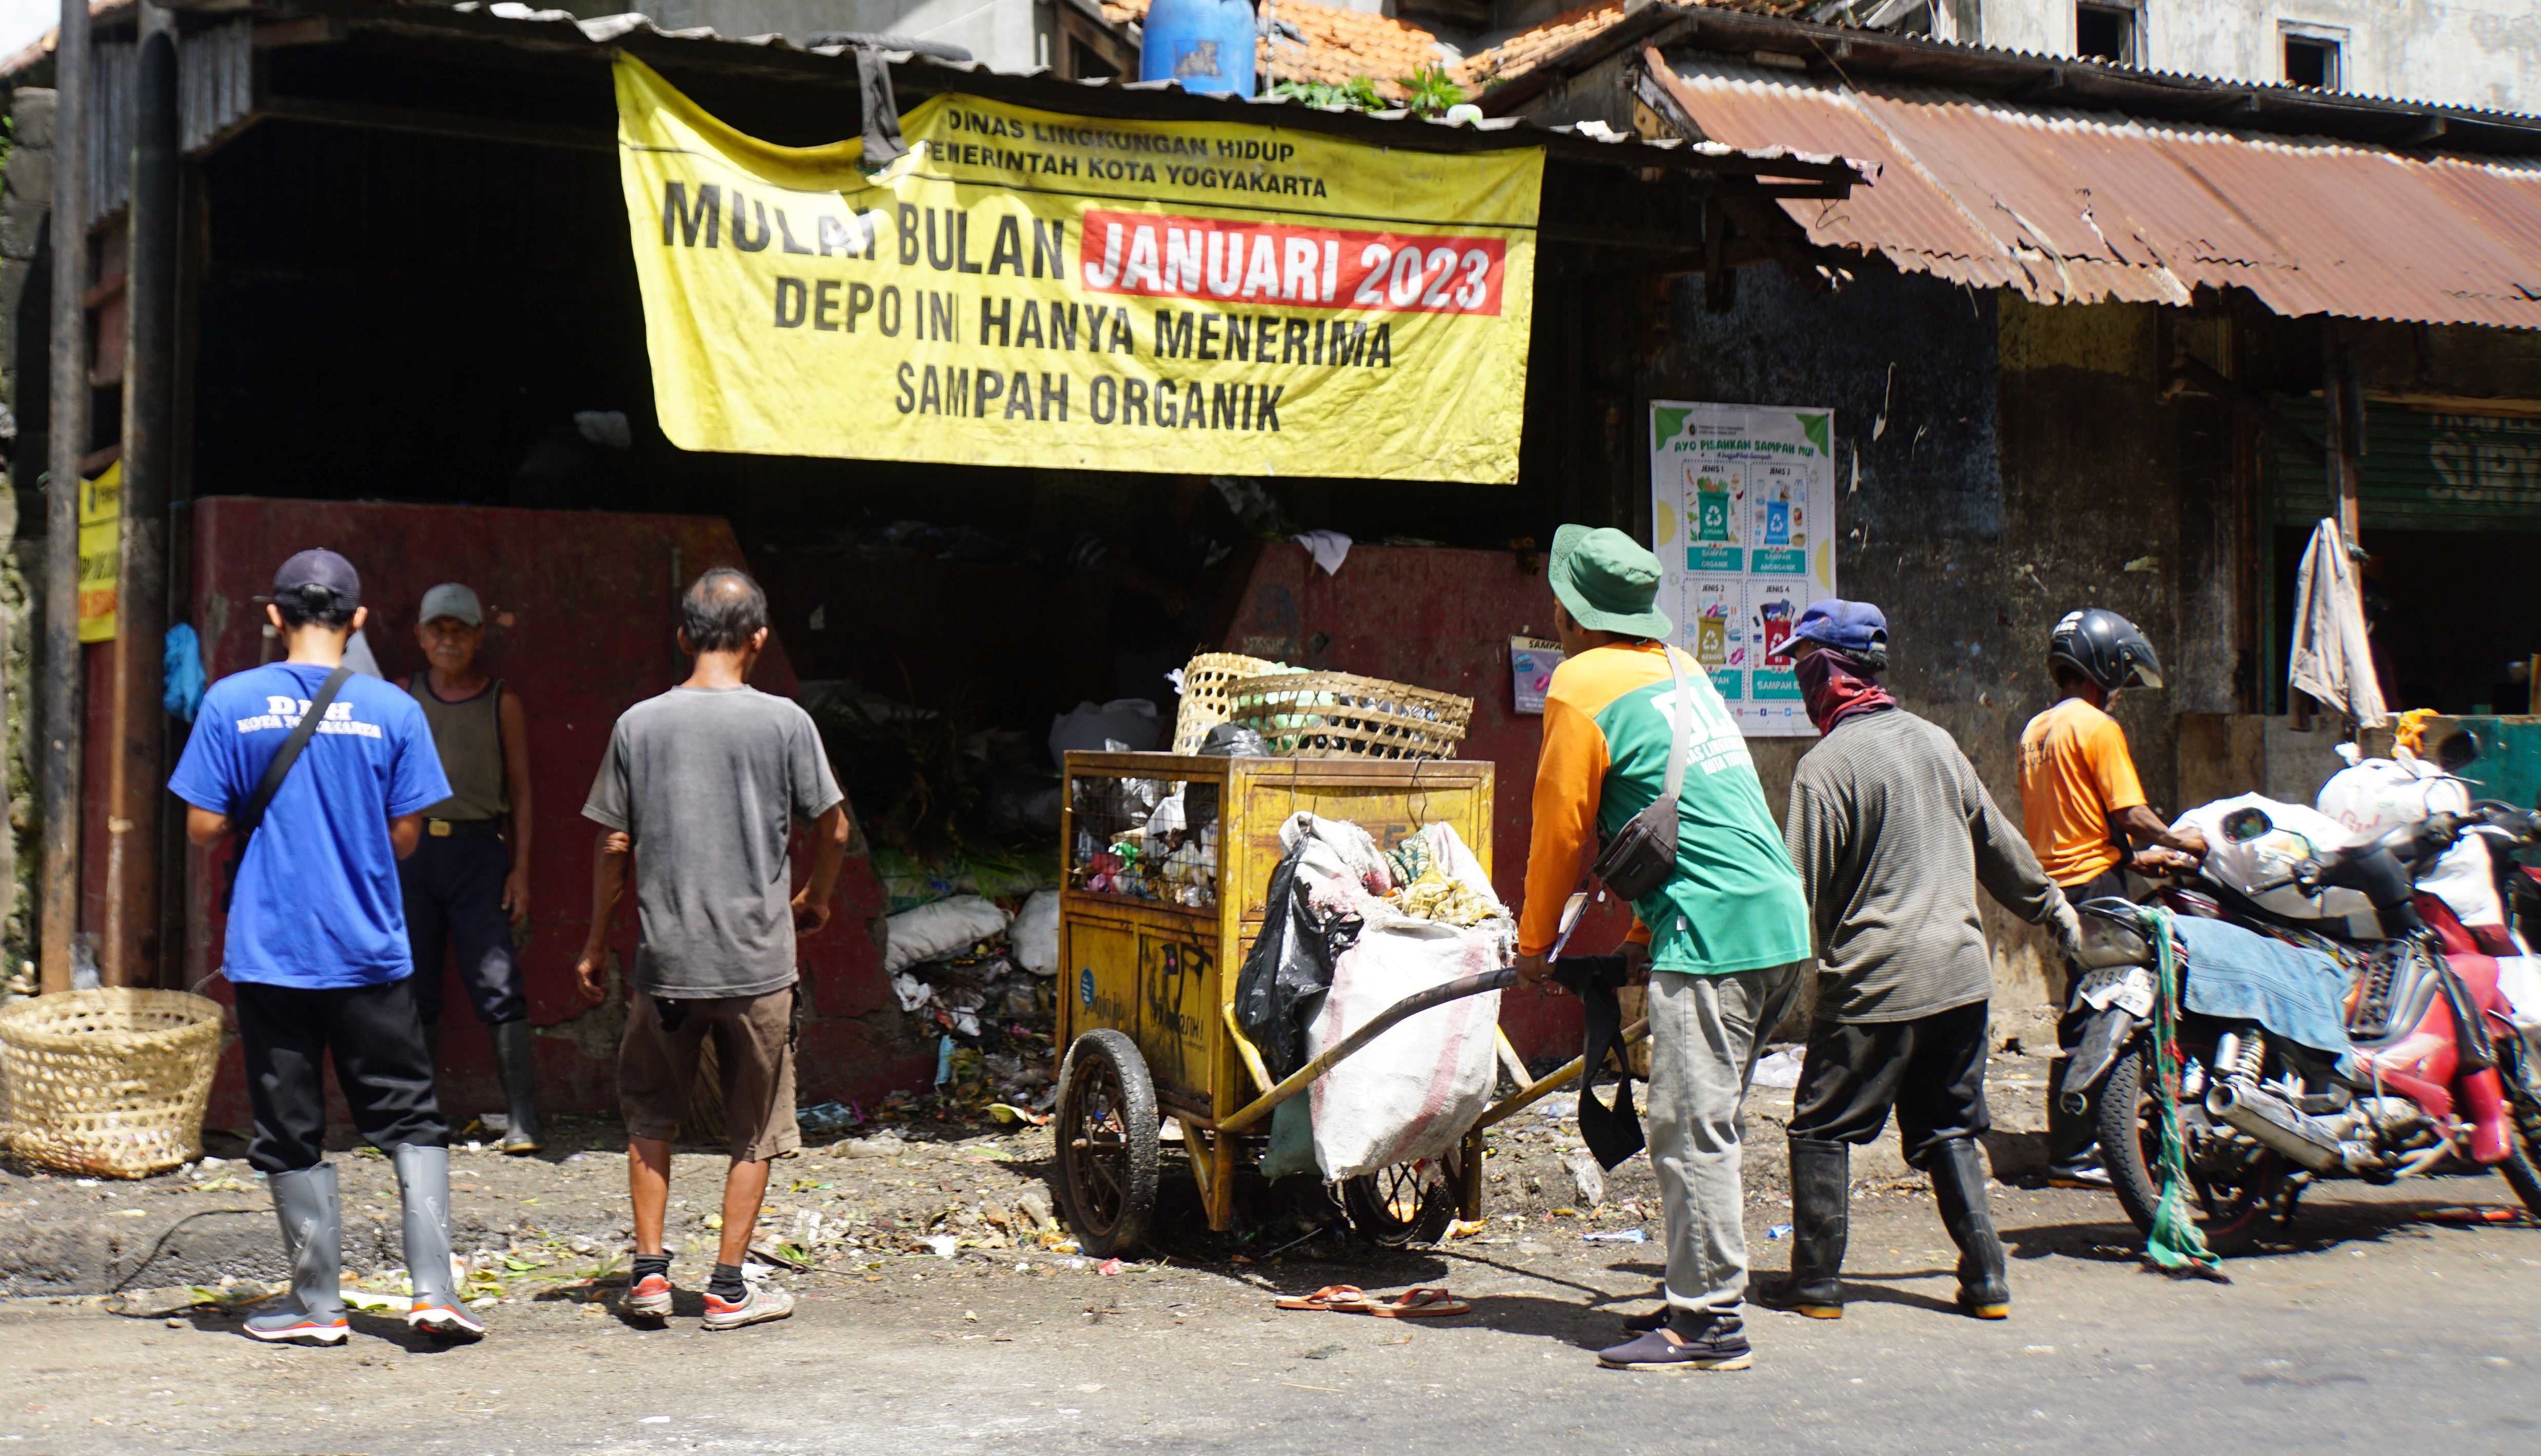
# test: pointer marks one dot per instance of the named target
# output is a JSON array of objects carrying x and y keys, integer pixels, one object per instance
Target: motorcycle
[{"x": 2375, "y": 1059}]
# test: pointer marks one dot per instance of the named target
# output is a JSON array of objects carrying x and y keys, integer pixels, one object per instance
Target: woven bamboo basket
[
  {"x": 1339, "y": 715},
  {"x": 108, "y": 1083},
  {"x": 1206, "y": 679}
]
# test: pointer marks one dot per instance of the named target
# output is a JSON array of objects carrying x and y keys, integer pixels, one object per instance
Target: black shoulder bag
[
  {"x": 251, "y": 815},
  {"x": 1642, "y": 853}
]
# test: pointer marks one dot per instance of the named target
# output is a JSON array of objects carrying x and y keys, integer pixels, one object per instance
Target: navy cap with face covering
[{"x": 322, "y": 569}]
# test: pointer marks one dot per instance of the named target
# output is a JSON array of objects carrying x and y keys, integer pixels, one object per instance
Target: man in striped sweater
[{"x": 1892, "y": 833}]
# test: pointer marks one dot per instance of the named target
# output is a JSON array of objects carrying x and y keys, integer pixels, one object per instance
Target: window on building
[
  {"x": 2311, "y": 60},
  {"x": 2105, "y": 32}
]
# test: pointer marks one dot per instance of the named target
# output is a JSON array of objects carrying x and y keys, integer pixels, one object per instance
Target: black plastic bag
[{"x": 1290, "y": 969}]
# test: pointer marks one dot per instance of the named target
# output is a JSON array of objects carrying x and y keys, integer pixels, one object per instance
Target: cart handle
[{"x": 1412, "y": 1005}]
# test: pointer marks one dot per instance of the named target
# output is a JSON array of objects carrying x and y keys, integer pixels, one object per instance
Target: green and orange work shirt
[{"x": 1734, "y": 903}]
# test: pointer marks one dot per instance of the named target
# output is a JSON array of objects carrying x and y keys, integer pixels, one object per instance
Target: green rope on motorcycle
[{"x": 2175, "y": 1243}]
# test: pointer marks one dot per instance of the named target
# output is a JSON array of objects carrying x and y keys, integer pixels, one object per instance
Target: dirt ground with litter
[
  {"x": 1007, "y": 1349},
  {"x": 556, "y": 1225}
]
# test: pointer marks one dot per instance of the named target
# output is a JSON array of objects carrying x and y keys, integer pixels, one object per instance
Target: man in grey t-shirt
[{"x": 701, "y": 789}]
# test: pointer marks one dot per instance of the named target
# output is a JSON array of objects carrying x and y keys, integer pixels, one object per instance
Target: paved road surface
[{"x": 2376, "y": 1329}]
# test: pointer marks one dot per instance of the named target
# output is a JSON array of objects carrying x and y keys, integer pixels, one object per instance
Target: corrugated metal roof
[
  {"x": 2075, "y": 207},
  {"x": 1789, "y": 171}
]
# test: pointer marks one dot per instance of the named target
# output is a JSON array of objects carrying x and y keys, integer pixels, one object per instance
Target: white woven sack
[{"x": 1411, "y": 1094}]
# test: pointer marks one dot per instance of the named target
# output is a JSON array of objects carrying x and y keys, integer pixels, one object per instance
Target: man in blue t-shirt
[{"x": 316, "y": 946}]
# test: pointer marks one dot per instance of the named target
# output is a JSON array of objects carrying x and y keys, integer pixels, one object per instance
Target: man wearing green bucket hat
[{"x": 1724, "y": 932}]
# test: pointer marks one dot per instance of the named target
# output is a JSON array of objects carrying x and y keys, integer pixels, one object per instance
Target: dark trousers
[
  {"x": 2068, "y": 1135},
  {"x": 377, "y": 1040},
  {"x": 1929, "y": 1070},
  {"x": 454, "y": 907}
]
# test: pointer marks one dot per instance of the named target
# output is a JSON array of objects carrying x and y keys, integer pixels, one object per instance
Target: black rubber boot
[
  {"x": 1821, "y": 1191},
  {"x": 1958, "y": 1173},
  {"x": 515, "y": 1062}
]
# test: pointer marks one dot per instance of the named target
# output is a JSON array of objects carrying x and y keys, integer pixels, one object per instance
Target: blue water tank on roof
[{"x": 1205, "y": 44}]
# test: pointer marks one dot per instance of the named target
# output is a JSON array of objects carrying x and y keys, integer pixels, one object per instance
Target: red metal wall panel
[
  {"x": 582, "y": 607},
  {"x": 1434, "y": 619}
]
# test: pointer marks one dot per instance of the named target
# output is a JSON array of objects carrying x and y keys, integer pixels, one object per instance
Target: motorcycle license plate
[{"x": 2129, "y": 987}]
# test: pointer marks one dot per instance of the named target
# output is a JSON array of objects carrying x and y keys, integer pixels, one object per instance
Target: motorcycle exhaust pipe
[{"x": 2277, "y": 1123}]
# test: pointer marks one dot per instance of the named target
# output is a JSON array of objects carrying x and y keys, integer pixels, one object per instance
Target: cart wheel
[
  {"x": 1393, "y": 1207},
  {"x": 1107, "y": 1143}
]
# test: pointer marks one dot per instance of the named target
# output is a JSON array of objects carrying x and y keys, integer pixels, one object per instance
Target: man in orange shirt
[{"x": 2082, "y": 804}]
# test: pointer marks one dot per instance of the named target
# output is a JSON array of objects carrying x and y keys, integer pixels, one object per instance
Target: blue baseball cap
[{"x": 1854, "y": 627}]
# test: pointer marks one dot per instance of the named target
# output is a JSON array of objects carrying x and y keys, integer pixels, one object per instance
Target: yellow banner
[
  {"x": 101, "y": 552},
  {"x": 1027, "y": 288}
]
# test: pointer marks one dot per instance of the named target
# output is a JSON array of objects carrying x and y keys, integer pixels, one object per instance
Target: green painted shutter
[{"x": 2422, "y": 472}]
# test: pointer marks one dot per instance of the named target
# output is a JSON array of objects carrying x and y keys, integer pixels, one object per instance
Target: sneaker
[
  {"x": 299, "y": 1324},
  {"x": 648, "y": 1298},
  {"x": 1720, "y": 1346},
  {"x": 758, "y": 1304},
  {"x": 445, "y": 1318}
]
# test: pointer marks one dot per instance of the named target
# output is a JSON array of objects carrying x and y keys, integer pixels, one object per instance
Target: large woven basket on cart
[
  {"x": 1206, "y": 682},
  {"x": 110, "y": 1082},
  {"x": 1339, "y": 715}
]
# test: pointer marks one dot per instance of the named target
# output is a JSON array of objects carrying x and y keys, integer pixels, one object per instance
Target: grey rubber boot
[
  {"x": 312, "y": 1240},
  {"x": 516, "y": 1061},
  {"x": 1821, "y": 1220},
  {"x": 423, "y": 1190},
  {"x": 1957, "y": 1169}
]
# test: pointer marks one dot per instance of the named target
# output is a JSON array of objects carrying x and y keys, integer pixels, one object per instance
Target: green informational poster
[{"x": 1742, "y": 504}]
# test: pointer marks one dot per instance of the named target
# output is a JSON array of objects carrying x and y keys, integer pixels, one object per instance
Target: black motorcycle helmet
[{"x": 2105, "y": 648}]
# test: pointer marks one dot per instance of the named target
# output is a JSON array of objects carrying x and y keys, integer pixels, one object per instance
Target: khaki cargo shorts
[{"x": 754, "y": 1041}]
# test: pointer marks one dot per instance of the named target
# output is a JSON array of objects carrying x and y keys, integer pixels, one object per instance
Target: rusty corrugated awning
[{"x": 2076, "y": 207}]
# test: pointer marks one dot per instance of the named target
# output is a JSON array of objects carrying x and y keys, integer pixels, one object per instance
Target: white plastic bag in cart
[{"x": 1413, "y": 1092}]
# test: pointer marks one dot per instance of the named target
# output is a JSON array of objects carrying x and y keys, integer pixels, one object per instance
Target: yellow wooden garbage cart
[{"x": 1168, "y": 862}]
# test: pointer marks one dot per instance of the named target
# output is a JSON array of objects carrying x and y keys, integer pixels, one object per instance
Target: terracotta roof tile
[
  {"x": 1530, "y": 48},
  {"x": 1340, "y": 44}
]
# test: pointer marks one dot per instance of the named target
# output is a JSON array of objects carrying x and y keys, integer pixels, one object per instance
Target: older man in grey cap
[{"x": 467, "y": 882}]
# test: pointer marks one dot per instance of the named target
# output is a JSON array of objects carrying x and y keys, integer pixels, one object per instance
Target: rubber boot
[
  {"x": 423, "y": 1190},
  {"x": 312, "y": 1240},
  {"x": 516, "y": 1063},
  {"x": 1958, "y": 1176},
  {"x": 1821, "y": 1194}
]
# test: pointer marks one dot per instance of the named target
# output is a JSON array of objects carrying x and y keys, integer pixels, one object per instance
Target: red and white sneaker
[
  {"x": 649, "y": 1298},
  {"x": 758, "y": 1304},
  {"x": 444, "y": 1319}
]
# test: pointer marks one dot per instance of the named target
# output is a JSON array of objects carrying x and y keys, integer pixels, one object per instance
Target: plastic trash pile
[{"x": 982, "y": 979}]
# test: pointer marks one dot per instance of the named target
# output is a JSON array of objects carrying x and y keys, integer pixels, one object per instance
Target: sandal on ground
[
  {"x": 1418, "y": 1304},
  {"x": 1331, "y": 1299}
]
